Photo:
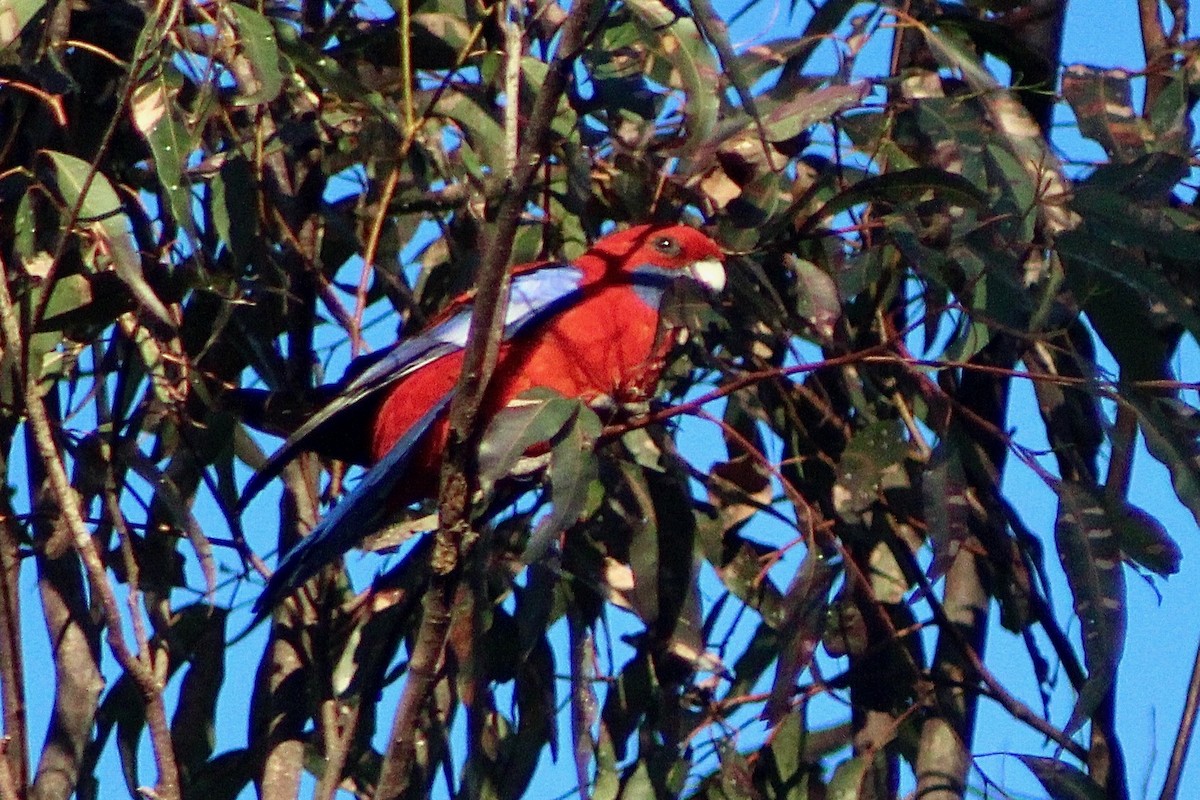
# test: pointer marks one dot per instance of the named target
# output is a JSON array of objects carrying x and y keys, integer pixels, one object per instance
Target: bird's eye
[{"x": 667, "y": 246}]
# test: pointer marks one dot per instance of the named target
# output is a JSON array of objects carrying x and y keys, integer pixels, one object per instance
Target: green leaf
[
  {"x": 944, "y": 496},
  {"x": 971, "y": 337},
  {"x": 818, "y": 301},
  {"x": 363, "y": 652},
  {"x": 846, "y": 781},
  {"x": 998, "y": 295},
  {"x": 101, "y": 211},
  {"x": 101, "y": 203},
  {"x": 956, "y": 128},
  {"x": 807, "y": 605},
  {"x": 1148, "y": 179},
  {"x": 223, "y": 777},
  {"x": 607, "y": 781},
  {"x": 952, "y": 46},
  {"x": 643, "y": 555},
  {"x": 761, "y": 651},
  {"x": 1096, "y": 266},
  {"x": 481, "y": 129},
  {"x": 157, "y": 117},
  {"x": 573, "y": 470},
  {"x": 826, "y": 18},
  {"x": 325, "y": 70},
  {"x": 14, "y": 16},
  {"x": 738, "y": 562},
  {"x": 1020, "y": 194},
  {"x": 570, "y": 429},
  {"x": 671, "y": 583},
  {"x": 1061, "y": 780},
  {"x": 256, "y": 66},
  {"x": 564, "y": 123},
  {"x": 70, "y": 293},
  {"x": 1009, "y": 122},
  {"x": 1091, "y": 557},
  {"x": 1111, "y": 217},
  {"x": 787, "y": 755},
  {"x": 193, "y": 725},
  {"x": 130, "y": 724},
  {"x": 442, "y": 36},
  {"x": 637, "y": 784},
  {"x": 793, "y": 117},
  {"x": 737, "y": 781},
  {"x": 906, "y": 186},
  {"x": 692, "y": 67},
  {"x": 1144, "y": 540},
  {"x": 760, "y": 201},
  {"x": 1102, "y": 100},
  {"x": 191, "y": 629},
  {"x": 232, "y": 205},
  {"x": 537, "y": 416},
  {"x": 1169, "y": 118},
  {"x": 24, "y": 226},
  {"x": 533, "y": 694},
  {"x": 872, "y": 461},
  {"x": 1172, "y": 431},
  {"x": 627, "y": 701}
]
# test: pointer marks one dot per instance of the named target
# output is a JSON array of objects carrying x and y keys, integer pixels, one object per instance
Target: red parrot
[{"x": 589, "y": 330}]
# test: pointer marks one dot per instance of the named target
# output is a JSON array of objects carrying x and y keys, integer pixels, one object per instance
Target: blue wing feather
[
  {"x": 533, "y": 294},
  {"x": 355, "y": 515}
]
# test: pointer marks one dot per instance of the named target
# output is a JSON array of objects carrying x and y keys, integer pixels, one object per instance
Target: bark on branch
[
  {"x": 140, "y": 666},
  {"x": 458, "y": 479}
]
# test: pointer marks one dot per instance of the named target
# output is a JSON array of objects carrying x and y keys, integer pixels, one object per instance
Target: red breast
[{"x": 607, "y": 344}]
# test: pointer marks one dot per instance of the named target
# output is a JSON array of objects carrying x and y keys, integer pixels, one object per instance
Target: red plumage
[
  {"x": 607, "y": 344},
  {"x": 589, "y": 330}
]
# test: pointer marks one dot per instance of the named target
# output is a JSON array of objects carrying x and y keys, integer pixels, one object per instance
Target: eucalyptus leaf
[
  {"x": 14, "y": 16},
  {"x": 100, "y": 212},
  {"x": 1061, "y": 780},
  {"x": 693, "y": 67},
  {"x": 1090, "y": 553},
  {"x": 258, "y": 64},
  {"x": 157, "y": 116},
  {"x": 907, "y": 185}
]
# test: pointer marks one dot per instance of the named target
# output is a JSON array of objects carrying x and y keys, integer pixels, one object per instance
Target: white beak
[{"x": 710, "y": 272}]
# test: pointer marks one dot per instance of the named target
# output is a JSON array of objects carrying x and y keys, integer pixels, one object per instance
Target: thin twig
[
  {"x": 479, "y": 359},
  {"x": 1183, "y": 739},
  {"x": 161, "y": 20},
  {"x": 338, "y": 724},
  {"x": 14, "y": 752},
  {"x": 414, "y": 127},
  {"x": 369, "y": 253},
  {"x": 995, "y": 689},
  {"x": 8, "y": 787},
  {"x": 1157, "y": 54},
  {"x": 142, "y": 673}
]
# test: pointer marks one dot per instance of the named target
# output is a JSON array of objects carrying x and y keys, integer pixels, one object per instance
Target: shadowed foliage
[{"x": 208, "y": 208}]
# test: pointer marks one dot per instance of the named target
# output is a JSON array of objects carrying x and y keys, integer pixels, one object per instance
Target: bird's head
[{"x": 665, "y": 252}]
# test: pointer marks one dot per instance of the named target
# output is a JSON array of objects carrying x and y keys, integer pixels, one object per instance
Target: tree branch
[
  {"x": 1156, "y": 51},
  {"x": 14, "y": 758},
  {"x": 458, "y": 478},
  {"x": 142, "y": 672},
  {"x": 1183, "y": 740}
]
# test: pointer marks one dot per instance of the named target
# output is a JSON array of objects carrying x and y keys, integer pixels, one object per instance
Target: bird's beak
[{"x": 709, "y": 272}]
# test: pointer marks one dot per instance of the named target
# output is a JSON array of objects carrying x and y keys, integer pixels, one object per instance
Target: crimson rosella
[{"x": 589, "y": 330}]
